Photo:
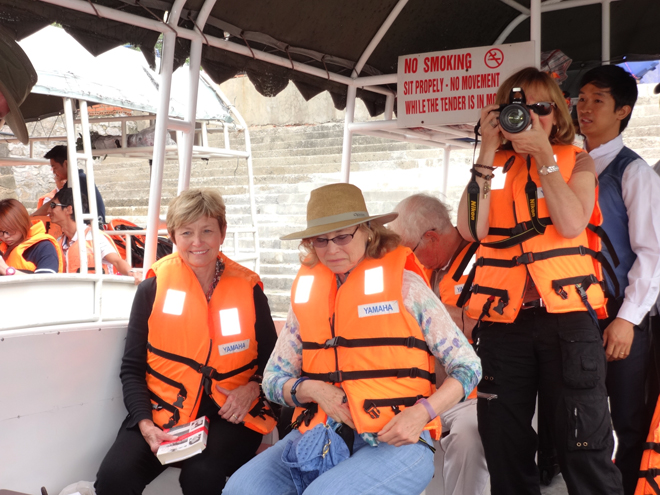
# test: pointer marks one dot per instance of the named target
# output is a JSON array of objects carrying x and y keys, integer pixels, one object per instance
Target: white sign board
[{"x": 441, "y": 88}]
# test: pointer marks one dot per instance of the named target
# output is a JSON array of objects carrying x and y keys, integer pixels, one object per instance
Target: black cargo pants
[{"x": 560, "y": 357}]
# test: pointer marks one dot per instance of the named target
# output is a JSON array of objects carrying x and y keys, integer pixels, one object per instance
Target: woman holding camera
[{"x": 536, "y": 292}]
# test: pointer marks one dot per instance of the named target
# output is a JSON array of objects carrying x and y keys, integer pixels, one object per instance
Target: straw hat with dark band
[
  {"x": 17, "y": 77},
  {"x": 336, "y": 207}
]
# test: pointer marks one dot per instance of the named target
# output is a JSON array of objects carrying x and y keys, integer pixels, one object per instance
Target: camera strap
[
  {"x": 531, "y": 191},
  {"x": 473, "y": 192}
]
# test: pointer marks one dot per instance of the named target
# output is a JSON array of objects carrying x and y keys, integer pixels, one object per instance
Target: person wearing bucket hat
[
  {"x": 356, "y": 358},
  {"x": 17, "y": 77}
]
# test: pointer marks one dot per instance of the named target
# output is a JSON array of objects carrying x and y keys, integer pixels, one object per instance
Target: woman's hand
[
  {"x": 239, "y": 401},
  {"x": 534, "y": 142},
  {"x": 3, "y": 266},
  {"x": 153, "y": 435},
  {"x": 330, "y": 398},
  {"x": 406, "y": 427},
  {"x": 491, "y": 138}
]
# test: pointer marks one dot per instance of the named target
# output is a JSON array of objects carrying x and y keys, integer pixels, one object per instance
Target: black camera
[{"x": 514, "y": 116}]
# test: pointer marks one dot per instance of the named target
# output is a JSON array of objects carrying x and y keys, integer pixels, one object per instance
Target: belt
[{"x": 536, "y": 303}]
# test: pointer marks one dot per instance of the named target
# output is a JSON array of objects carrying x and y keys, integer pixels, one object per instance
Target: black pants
[
  {"x": 626, "y": 386},
  {"x": 560, "y": 357},
  {"x": 129, "y": 466}
]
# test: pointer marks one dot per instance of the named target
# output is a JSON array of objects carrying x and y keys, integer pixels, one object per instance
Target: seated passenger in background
[
  {"x": 59, "y": 162},
  {"x": 425, "y": 227},
  {"x": 25, "y": 247},
  {"x": 61, "y": 213}
]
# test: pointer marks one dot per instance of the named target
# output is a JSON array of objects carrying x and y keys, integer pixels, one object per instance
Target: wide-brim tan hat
[
  {"x": 17, "y": 77},
  {"x": 336, "y": 207}
]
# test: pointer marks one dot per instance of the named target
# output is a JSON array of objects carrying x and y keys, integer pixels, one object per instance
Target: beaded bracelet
[
  {"x": 428, "y": 407},
  {"x": 479, "y": 174},
  {"x": 488, "y": 167}
]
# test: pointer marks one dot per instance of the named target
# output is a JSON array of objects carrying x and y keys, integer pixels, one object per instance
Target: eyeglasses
[
  {"x": 340, "y": 240},
  {"x": 542, "y": 107},
  {"x": 53, "y": 205},
  {"x": 421, "y": 239},
  {"x": 5, "y": 233}
]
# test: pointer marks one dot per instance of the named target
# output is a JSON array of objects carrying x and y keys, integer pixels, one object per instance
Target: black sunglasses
[
  {"x": 542, "y": 107},
  {"x": 53, "y": 205}
]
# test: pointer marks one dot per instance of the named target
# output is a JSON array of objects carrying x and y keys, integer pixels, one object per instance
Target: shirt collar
[{"x": 605, "y": 153}]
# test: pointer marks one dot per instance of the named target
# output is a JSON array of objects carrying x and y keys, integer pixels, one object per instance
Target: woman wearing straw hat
[{"x": 356, "y": 358}]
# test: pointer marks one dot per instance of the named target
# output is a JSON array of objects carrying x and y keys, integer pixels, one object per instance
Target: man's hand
[
  {"x": 153, "y": 435},
  {"x": 617, "y": 339}
]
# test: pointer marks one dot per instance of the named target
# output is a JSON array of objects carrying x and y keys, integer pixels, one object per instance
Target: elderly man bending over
[{"x": 425, "y": 227}]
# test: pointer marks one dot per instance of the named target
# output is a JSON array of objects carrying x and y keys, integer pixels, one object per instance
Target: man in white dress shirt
[{"x": 628, "y": 192}]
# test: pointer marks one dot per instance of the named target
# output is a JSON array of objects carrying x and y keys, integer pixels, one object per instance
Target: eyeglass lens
[
  {"x": 340, "y": 240},
  {"x": 541, "y": 108}
]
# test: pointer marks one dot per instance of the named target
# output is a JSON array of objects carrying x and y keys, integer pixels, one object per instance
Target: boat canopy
[
  {"x": 331, "y": 38},
  {"x": 119, "y": 77}
]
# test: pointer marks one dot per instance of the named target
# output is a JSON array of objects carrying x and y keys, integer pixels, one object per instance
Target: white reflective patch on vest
[
  {"x": 229, "y": 323},
  {"x": 373, "y": 281},
  {"x": 539, "y": 193},
  {"x": 303, "y": 289},
  {"x": 458, "y": 289},
  {"x": 233, "y": 347},
  {"x": 468, "y": 267},
  {"x": 381, "y": 308},
  {"x": 497, "y": 182},
  {"x": 174, "y": 300}
]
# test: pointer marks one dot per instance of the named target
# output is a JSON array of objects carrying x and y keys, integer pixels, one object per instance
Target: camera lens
[{"x": 514, "y": 118}]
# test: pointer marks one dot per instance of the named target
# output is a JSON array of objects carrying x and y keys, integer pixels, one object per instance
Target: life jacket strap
[
  {"x": 503, "y": 294},
  {"x": 600, "y": 232},
  {"x": 649, "y": 475},
  {"x": 162, "y": 404},
  {"x": 517, "y": 235},
  {"x": 460, "y": 269},
  {"x": 409, "y": 342},
  {"x": 343, "y": 376},
  {"x": 467, "y": 287},
  {"x": 581, "y": 283},
  {"x": 306, "y": 415},
  {"x": 371, "y": 406},
  {"x": 652, "y": 446},
  {"x": 183, "y": 393}
]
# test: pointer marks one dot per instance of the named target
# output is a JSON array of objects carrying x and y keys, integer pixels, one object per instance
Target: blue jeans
[{"x": 378, "y": 470}]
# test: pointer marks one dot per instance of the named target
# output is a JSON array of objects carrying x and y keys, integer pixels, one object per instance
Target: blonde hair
[
  {"x": 193, "y": 204},
  {"x": 380, "y": 242},
  {"x": 14, "y": 216},
  {"x": 531, "y": 77}
]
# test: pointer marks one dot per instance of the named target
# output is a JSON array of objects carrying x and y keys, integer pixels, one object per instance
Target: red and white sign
[{"x": 441, "y": 88}]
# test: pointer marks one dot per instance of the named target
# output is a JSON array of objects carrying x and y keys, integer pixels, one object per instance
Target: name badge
[
  {"x": 233, "y": 347},
  {"x": 174, "y": 300},
  {"x": 229, "y": 322},
  {"x": 373, "y": 281},
  {"x": 458, "y": 289},
  {"x": 381, "y": 308},
  {"x": 303, "y": 289}
]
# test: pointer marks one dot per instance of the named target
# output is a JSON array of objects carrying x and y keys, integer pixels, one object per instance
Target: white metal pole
[
  {"x": 445, "y": 169},
  {"x": 389, "y": 107},
  {"x": 73, "y": 182},
  {"x": 535, "y": 30},
  {"x": 162, "y": 120},
  {"x": 605, "y": 33},
  {"x": 348, "y": 135}
]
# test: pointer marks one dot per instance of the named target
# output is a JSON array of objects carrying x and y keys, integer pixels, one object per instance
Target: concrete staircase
[{"x": 288, "y": 163}]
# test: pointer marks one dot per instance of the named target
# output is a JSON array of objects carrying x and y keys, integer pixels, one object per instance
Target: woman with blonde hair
[
  {"x": 199, "y": 336},
  {"x": 535, "y": 289},
  {"x": 25, "y": 247},
  {"x": 356, "y": 358}
]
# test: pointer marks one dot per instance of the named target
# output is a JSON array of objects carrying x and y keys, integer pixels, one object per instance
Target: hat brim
[
  {"x": 331, "y": 227},
  {"x": 14, "y": 118}
]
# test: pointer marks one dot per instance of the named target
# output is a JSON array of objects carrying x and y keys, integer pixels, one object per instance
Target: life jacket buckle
[
  {"x": 179, "y": 401},
  {"x": 479, "y": 261},
  {"x": 207, "y": 371},
  {"x": 396, "y": 410},
  {"x": 372, "y": 410},
  {"x": 582, "y": 250},
  {"x": 409, "y": 373},
  {"x": 335, "y": 376},
  {"x": 525, "y": 259},
  {"x": 333, "y": 342},
  {"x": 500, "y": 307},
  {"x": 581, "y": 292},
  {"x": 410, "y": 342}
]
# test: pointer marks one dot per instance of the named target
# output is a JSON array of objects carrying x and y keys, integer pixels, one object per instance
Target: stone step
[
  {"x": 278, "y": 282},
  {"x": 279, "y": 301}
]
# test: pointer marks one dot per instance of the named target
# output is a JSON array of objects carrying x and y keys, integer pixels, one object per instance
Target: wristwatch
[
  {"x": 545, "y": 170},
  {"x": 10, "y": 271}
]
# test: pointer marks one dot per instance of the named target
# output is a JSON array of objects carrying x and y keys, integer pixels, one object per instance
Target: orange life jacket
[
  {"x": 51, "y": 228},
  {"x": 36, "y": 234},
  {"x": 451, "y": 285},
  {"x": 49, "y": 196},
  {"x": 522, "y": 240},
  {"x": 195, "y": 345},
  {"x": 72, "y": 256},
  {"x": 649, "y": 471},
  {"x": 362, "y": 338}
]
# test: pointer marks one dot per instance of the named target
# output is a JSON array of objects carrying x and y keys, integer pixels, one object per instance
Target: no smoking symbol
[{"x": 494, "y": 58}]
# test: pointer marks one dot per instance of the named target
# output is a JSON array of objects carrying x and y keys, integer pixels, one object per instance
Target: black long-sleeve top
[{"x": 134, "y": 362}]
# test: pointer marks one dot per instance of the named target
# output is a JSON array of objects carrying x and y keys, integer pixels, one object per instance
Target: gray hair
[{"x": 420, "y": 213}]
